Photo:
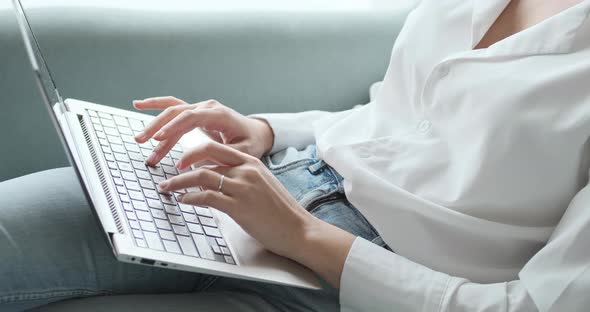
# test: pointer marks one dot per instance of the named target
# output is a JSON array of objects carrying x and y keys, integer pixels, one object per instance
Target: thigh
[{"x": 52, "y": 248}]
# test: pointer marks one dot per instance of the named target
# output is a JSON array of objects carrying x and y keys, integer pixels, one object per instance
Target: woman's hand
[
  {"x": 259, "y": 203},
  {"x": 221, "y": 123}
]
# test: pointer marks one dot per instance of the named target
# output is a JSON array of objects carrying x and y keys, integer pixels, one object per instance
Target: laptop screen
[{"x": 47, "y": 84}]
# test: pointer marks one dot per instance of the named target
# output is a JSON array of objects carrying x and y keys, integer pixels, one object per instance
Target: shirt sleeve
[
  {"x": 295, "y": 129},
  {"x": 555, "y": 279}
]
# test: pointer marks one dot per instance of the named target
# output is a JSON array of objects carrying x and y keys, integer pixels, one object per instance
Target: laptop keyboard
[{"x": 158, "y": 221}]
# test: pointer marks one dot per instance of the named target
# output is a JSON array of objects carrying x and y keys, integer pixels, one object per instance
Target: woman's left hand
[{"x": 250, "y": 194}]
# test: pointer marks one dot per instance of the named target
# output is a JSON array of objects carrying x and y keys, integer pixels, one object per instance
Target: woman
[{"x": 454, "y": 190}]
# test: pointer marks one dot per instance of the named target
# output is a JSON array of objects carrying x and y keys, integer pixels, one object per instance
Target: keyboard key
[
  {"x": 112, "y": 165},
  {"x": 118, "y": 181},
  {"x": 92, "y": 113},
  {"x": 114, "y": 139},
  {"x": 136, "y": 195},
  {"x": 107, "y": 123},
  {"x": 125, "y": 130},
  {"x": 121, "y": 121},
  {"x": 203, "y": 246},
  {"x": 127, "y": 207},
  {"x": 186, "y": 208},
  {"x": 128, "y": 176},
  {"x": 140, "y": 205},
  {"x": 167, "y": 235},
  {"x": 187, "y": 245},
  {"x": 136, "y": 125},
  {"x": 134, "y": 224},
  {"x": 125, "y": 198},
  {"x": 155, "y": 203},
  {"x": 146, "y": 152},
  {"x": 143, "y": 215},
  {"x": 130, "y": 215},
  {"x": 156, "y": 171},
  {"x": 121, "y": 190},
  {"x": 167, "y": 199},
  {"x": 115, "y": 173},
  {"x": 134, "y": 186},
  {"x": 132, "y": 147},
  {"x": 106, "y": 150},
  {"x": 136, "y": 156},
  {"x": 176, "y": 219},
  {"x": 143, "y": 175},
  {"x": 167, "y": 161},
  {"x": 146, "y": 144},
  {"x": 212, "y": 231},
  {"x": 109, "y": 157},
  {"x": 177, "y": 148},
  {"x": 190, "y": 218},
  {"x": 175, "y": 154},
  {"x": 105, "y": 115},
  {"x": 139, "y": 165},
  {"x": 127, "y": 138},
  {"x": 141, "y": 243},
  {"x": 111, "y": 131},
  {"x": 95, "y": 120},
  {"x": 100, "y": 135},
  {"x": 158, "y": 179},
  {"x": 171, "y": 209},
  {"x": 171, "y": 246},
  {"x": 146, "y": 184},
  {"x": 125, "y": 167},
  {"x": 137, "y": 233},
  {"x": 214, "y": 246},
  {"x": 103, "y": 142},
  {"x": 207, "y": 221},
  {"x": 203, "y": 211},
  {"x": 121, "y": 157},
  {"x": 151, "y": 194},
  {"x": 169, "y": 170},
  {"x": 225, "y": 251},
  {"x": 163, "y": 224},
  {"x": 160, "y": 214},
  {"x": 153, "y": 240},
  {"x": 147, "y": 226},
  {"x": 229, "y": 260},
  {"x": 180, "y": 230},
  {"x": 195, "y": 228},
  {"x": 221, "y": 242}
]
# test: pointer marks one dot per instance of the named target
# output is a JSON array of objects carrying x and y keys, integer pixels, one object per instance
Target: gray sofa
[{"x": 251, "y": 61}]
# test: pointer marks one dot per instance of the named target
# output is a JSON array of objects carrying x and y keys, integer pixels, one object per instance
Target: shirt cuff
[{"x": 375, "y": 279}]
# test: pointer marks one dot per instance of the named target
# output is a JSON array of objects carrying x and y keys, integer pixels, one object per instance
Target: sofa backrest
[{"x": 253, "y": 62}]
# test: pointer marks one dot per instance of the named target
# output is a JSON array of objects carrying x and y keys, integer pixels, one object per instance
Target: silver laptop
[{"x": 142, "y": 225}]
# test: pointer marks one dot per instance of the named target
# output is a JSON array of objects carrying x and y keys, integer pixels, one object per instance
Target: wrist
[
  {"x": 324, "y": 249},
  {"x": 266, "y": 134}
]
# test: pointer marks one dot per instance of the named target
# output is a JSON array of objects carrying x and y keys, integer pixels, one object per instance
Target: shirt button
[{"x": 424, "y": 125}]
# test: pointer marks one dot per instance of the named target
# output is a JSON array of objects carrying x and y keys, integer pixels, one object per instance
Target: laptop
[{"x": 142, "y": 225}]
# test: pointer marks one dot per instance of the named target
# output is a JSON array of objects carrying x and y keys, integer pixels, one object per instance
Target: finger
[
  {"x": 213, "y": 151},
  {"x": 205, "y": 178},
  {"x": 161, "y": 150},
  {"x": 161, "y": 102},
  {"x": 162, "y": 119},
  {"x": 214, "y": 135},
  {"x": 209, "y": 198},
  {"x": 212, "y": 119}
]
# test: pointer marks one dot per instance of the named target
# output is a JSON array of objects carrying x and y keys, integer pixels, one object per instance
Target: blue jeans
[{"x": 52, "y": 249}]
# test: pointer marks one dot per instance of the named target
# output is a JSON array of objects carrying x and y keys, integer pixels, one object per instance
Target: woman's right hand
[{"x": 223, "y": 124}]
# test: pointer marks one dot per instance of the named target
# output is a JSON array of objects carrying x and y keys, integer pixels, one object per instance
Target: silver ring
[{"x": 220, "y": 183}]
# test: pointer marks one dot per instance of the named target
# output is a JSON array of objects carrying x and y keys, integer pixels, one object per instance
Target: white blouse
[{"x": 466, "y": 162}]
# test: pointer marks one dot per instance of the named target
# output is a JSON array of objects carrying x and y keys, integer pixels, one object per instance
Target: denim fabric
[{"x": 52, "y": 249}]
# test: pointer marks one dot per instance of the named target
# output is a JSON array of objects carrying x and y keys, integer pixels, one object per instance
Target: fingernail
[
  {"x": 179, "y": 164},
  {"x": 151, "y": 159},
  {"x": 164, "y": 185},
  {"x": 180, "y": 198},
  {"x": 140, "y": 136}
]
